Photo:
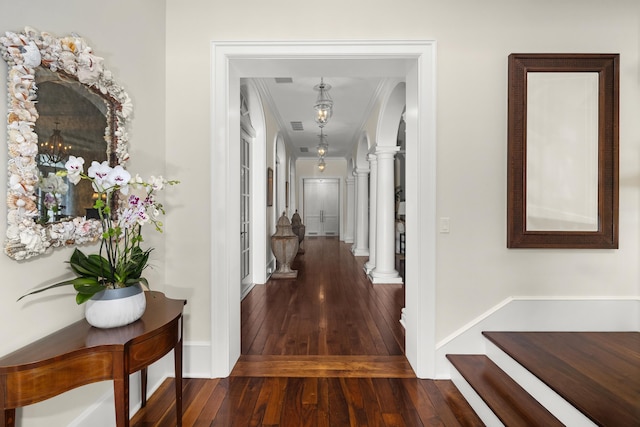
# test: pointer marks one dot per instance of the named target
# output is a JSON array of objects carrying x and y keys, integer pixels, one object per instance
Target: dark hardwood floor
[
  {"x": 330, "y": 309},
  {"x": 325, "y": 349}
]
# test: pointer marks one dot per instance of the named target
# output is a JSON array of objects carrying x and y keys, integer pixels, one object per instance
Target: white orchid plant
[
  {"x": 53, "y": 187},
  {"x": 120, "y": 261}
]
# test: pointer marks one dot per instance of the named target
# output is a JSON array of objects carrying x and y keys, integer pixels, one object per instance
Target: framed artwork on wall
[{"x": 269, "y": 187}]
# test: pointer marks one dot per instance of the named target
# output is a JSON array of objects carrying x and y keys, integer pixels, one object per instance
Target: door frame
[
  {"x": 413, "y": 61},
  {"x": 247, "y": 282},
  {"x": 340, "y": 198}
]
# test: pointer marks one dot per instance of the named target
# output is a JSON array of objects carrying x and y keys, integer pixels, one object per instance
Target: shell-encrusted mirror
[{"x": 62, "y": 101}]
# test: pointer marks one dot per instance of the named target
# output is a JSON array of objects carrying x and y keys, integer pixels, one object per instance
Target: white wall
[
  {"x": 475, "y": 269},
  {"x": 130, "y": 36}
]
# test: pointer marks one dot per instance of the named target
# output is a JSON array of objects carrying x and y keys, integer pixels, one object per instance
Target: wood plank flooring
[
  {"x": 331, "y": 401},
  {"x": 326, "y": 349},
  {"x": 330, "y": 309},
  {"x": 324, "y": 366},
  {"x": 597, "y": 372}
]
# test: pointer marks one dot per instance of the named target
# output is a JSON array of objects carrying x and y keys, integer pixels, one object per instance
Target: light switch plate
[{"x": 444, "y": 224}]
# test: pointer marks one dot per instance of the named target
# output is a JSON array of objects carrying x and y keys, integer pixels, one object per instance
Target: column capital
[
  {"x": 361, "y": 171},
  {"x": 385, "y": 151}
]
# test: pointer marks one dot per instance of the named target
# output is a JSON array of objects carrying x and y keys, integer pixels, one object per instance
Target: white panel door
[
  {"x": 321, "y": 207},
  {"x": 245, "y": 213}
]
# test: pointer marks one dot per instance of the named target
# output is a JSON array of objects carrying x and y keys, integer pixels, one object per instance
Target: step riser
[
  {"x": 594, "y": 376},
  {"x": 548, "y": 398}
]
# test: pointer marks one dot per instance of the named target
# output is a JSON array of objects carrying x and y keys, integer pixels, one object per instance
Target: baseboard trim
[
  {"x": 196, "y": 359},
  {"x": 196, "y": 364},
  {"x": 102, "y": 413}
]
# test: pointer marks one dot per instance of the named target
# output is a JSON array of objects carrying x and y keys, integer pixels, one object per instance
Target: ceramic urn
[
  {"x": 284, "y": 244},
  {"x": 298, "y": 229}
]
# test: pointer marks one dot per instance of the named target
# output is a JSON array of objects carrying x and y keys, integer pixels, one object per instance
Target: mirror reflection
[
  {"x": 72, "y": 121},
  {"x": 562, "y": 151}
]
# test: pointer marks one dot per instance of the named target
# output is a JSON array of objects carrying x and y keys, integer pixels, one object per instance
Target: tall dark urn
[
  {"x": 284, "y": 244},
  {"x": 298, "y": 229}
]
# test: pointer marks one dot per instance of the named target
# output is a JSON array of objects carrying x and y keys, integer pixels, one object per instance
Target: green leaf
[
  {"x": 99, "y": 265},
  {"x": 86, "y": 288},
  {"x": 82, "y": 298},
  {"x": 46, "y": 288},
  {"x": 79, "y": 263},
  {"x": 87, "y": 285},
  {"x": 137, "y": 262},
  {"x": 92, "y": 266},
  {"x": 144, "y": 281}
]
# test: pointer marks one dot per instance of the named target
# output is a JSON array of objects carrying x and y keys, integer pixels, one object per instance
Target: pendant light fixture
[
  {"x": 54, "y": 151},
  {"x": 321, "y": 164},
  {"x": 323, "y": 146},
  {"x": 324, "y": 103}
]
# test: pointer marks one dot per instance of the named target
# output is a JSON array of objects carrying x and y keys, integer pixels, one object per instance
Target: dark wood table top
[{"x": 81, "y": 337}]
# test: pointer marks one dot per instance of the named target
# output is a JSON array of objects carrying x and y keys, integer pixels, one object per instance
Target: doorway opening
[
  {"x": 321, "y": 206},
  {"x": 413, "y": 62}
]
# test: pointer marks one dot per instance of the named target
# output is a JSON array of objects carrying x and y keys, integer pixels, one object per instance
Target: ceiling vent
[
  {"x": 297, "y": 126},
  {"x": 304, "y": 149},
  {"x": 284, "y": 80}
]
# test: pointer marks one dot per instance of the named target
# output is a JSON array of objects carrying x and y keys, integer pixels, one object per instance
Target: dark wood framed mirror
[{"x": 562, "y": 189}]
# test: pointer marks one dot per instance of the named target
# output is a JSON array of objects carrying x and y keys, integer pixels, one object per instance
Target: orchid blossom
[
  {"x": 74, "y": 167},
  {"x": 121, "y": 259}
]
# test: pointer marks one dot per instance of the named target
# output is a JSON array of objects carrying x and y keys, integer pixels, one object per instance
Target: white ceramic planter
[{"x": 115, "y": 307}]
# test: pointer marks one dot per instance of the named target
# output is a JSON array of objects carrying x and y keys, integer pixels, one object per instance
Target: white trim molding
[
  {"x": 540, "y": 314},
  {"x": 411, "y": 61}
]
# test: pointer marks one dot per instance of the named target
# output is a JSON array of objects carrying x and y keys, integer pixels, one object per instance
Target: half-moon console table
[{"x": 81, "y": 354}]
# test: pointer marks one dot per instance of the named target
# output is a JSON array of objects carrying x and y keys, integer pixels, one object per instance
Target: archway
[{"x": 280, "y": 176}]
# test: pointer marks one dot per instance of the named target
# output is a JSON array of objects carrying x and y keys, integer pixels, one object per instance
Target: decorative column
[
  {"x": 373, "y": 167},
  {"x": 351, "y": 204},
  {"x": 385, "y": 271},
  {"x": 355, "y": 211},
  {"x": 361, "y": 247}
]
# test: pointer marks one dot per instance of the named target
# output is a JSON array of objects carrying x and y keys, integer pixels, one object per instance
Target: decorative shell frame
[{"x": 71, "y": 56}]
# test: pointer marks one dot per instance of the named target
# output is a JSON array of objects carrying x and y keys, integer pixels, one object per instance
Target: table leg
[
  {"x": 177, "y": 352},
  {"x": 143, "y": 381},
  {"x": 121, "y": 393},
  {"x": 9, "y": 417}
]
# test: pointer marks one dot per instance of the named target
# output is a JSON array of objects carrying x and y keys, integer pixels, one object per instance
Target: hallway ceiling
[{"x": 292, "y": 100}]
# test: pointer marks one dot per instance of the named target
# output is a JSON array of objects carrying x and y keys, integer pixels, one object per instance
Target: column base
[
  {"x": 387, "y": 278},
  {"x": 368, "y": 267},
  {"x": 360, "y": 252},
  {"x": 403, "y": 317},
  {"x": 286, "y": 275}
]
